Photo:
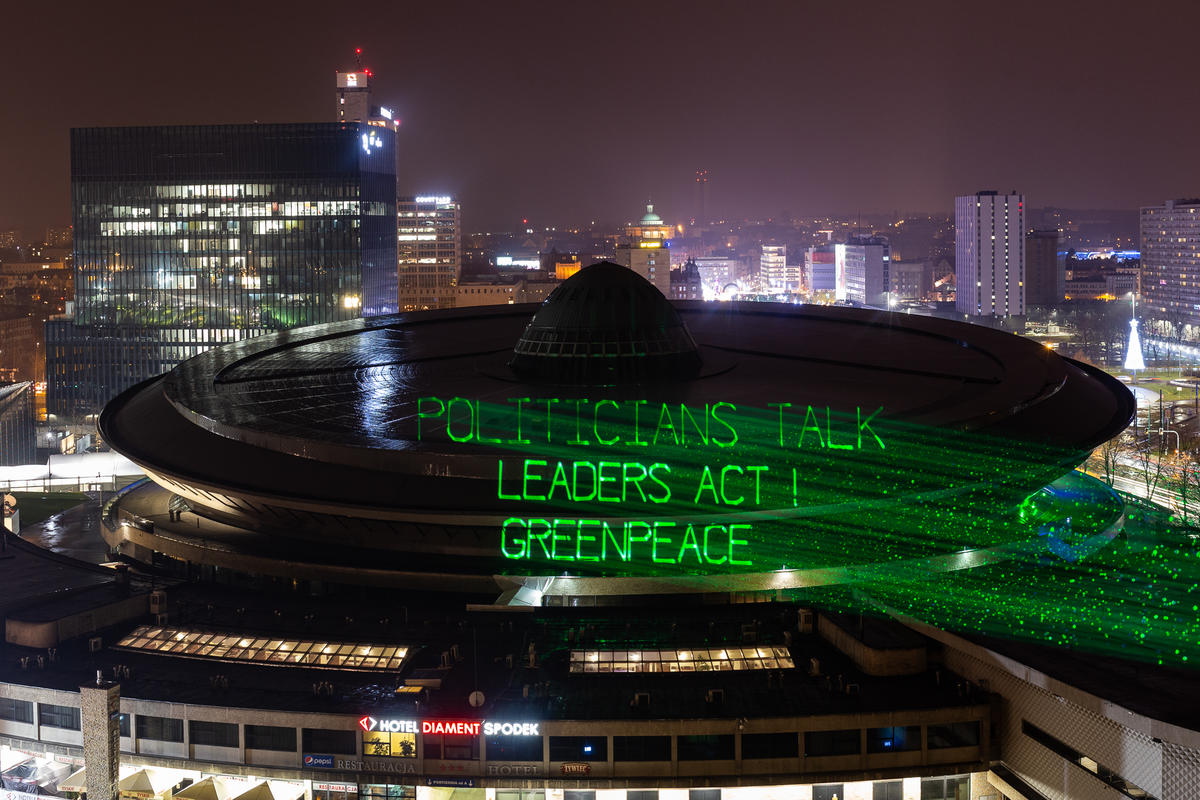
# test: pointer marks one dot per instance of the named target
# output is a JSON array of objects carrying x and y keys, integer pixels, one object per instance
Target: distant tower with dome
[
  {"x": 647, "y": 249},
  {"x": 650, "y": 226}
]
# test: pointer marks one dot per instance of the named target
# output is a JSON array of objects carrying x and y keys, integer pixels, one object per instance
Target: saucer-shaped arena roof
[{"x": 797, "y": 437}]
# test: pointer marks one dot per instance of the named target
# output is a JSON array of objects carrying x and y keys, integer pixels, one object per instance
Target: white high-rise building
[
  {"x": 774, "y": 271},
  {"x": 990, "y": 263},
  {"x": 865, "y": 263},
  {"x": 1171, "y": 265},
  {"x": 429, "y": 248}
]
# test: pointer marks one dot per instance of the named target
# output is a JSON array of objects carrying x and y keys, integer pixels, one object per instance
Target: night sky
[{"x": 568, "y": 112}]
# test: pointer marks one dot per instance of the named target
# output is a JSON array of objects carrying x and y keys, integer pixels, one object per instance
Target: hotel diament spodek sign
[
  {"x": 389, "y": 743},
  {"x": 371, "y": 724}
]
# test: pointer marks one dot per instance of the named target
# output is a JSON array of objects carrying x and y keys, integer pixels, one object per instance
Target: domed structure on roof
[
  {"x": 650, "y": 218},
  {"x": 606, "y": 324}
]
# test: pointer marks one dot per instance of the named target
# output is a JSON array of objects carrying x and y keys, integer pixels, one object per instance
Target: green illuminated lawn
[
  {"x": 1138, "y": 598},
  {"x": 36, "y": 507}
]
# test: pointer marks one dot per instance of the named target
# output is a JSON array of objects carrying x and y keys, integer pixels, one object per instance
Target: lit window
[
  {"x": 280, "y": 652},
  {"x": 683, "y": 660}
]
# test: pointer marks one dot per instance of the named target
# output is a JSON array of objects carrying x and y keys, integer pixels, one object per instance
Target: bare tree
[
  {"x": 1113, "y": 330},
  {"x": 1175, "y": 320},
  {"x": 1084, "y": 322},
  {"x": 1109, "y": 453},
  {"x": 1185, "y": 480},
  {"x": 1149, "y": 460}
]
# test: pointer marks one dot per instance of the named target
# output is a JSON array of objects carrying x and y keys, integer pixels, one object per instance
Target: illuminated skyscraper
[
  {"x": 429, "y": 251},
  {"x": 192, "y": 236},
  {"x": 774, "y": 271},
  {"x": 990, "y": 262},
  {"x": 1171, "y": 264},
  {"x": 866, "y": 270}
]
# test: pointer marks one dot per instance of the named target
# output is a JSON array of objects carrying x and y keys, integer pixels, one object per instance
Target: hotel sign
[
  {"x": 371, "y": 724},
  {"x": 511, "y": 770}
]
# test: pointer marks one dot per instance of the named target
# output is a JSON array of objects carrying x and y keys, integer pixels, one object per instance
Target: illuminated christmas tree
[{"x": 1133, "y": 353}]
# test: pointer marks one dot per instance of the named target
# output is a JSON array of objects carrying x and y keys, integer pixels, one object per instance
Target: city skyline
[{"x": 552, "y": 115}]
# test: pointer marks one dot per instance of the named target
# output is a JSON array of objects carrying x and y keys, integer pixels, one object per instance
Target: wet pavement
[{"x": 74, "y": 532}]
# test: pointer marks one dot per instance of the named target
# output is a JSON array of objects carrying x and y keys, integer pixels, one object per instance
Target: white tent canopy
[
  {"x": 75, "y": 782},
  {"x": 91, "y": 465},
  {"x": 207, "y": 789},
  {"x": 70, "y": 471},
  {"x": 11, "y": 758}
]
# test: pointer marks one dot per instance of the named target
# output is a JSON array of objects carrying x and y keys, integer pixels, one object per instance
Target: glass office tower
[
  {"x": 430, "y": 249},
  {"x": 188, "y": 237}
]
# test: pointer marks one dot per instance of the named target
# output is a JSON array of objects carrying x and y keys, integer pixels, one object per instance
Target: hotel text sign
[
  {"x": 371, "y": 724},
  {"x": 665, "y": 469}
]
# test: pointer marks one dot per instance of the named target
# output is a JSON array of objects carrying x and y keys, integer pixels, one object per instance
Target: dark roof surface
[
  {"x": 33, "y": 576},
  {"x": 346, "y": 394},
  {"x": 484, "y": 642},
  {"x": 316, "y": 432}
]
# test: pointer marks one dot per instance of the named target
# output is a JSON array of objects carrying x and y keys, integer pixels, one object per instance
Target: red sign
[
  {"x": 576, "y": 768},
  {"x": 456, "y": 728}
]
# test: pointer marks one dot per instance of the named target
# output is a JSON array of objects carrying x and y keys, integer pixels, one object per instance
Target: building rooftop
[
  {"x": 36, "y": 577},
  {"x": 454, "y": 652}
]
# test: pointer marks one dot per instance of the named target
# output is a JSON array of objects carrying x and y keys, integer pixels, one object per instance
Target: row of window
[
  {"x": 167, "y": 729},
  {"x": 529, "y": 748},
  {"x": 955, "y": 788},
  {"x": 201, "y": 644},
  {"x": 642, "y": 794},
  {"x": 718, "y": 746}
]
